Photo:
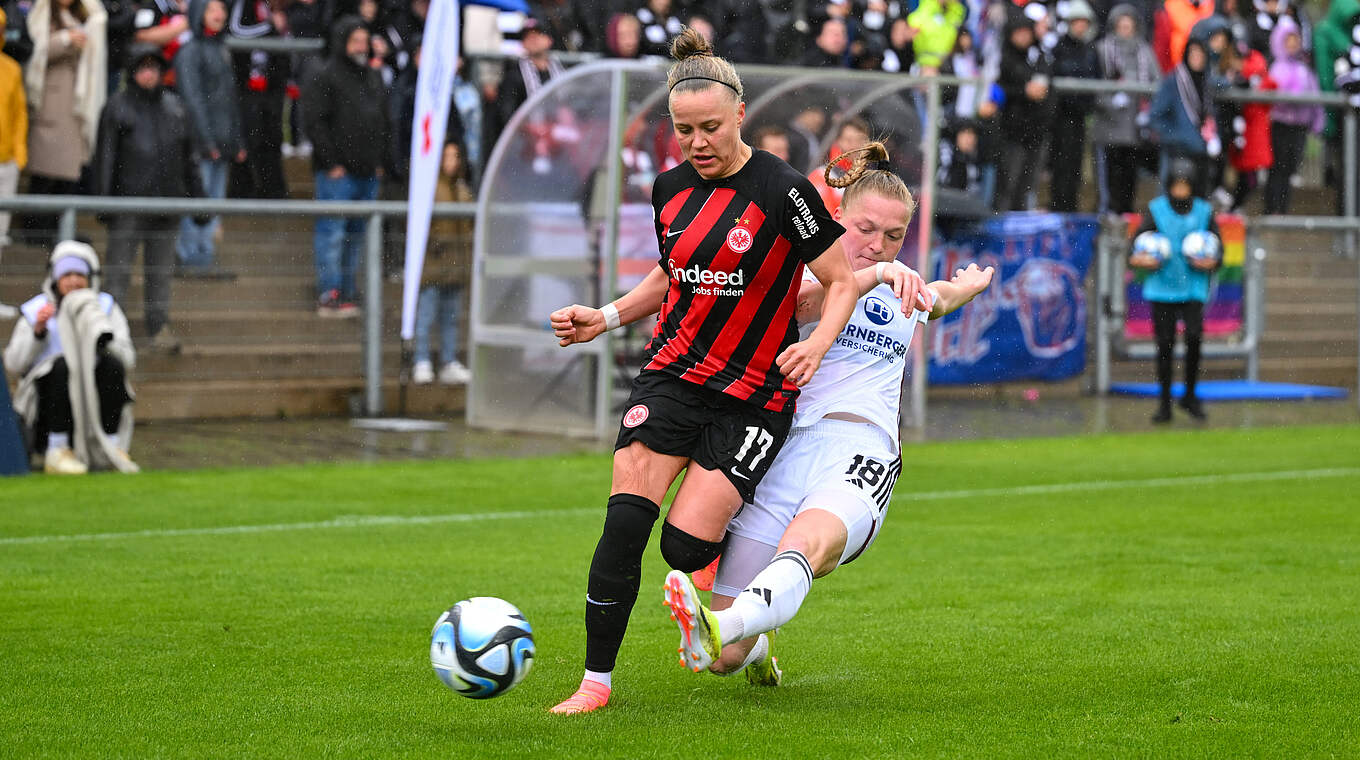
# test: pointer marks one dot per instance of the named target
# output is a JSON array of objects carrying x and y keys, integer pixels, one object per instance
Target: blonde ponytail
[{"x": 863, "y": 179}]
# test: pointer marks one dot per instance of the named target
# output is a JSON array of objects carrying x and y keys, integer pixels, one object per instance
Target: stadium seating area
[{"x": 253, "y": 345}]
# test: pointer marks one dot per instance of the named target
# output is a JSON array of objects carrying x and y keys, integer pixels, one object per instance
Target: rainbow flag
[{"x": 1223, "y": 312}]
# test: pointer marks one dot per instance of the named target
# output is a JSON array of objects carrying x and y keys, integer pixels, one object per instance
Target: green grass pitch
[{"x": 1020, "y": 601}]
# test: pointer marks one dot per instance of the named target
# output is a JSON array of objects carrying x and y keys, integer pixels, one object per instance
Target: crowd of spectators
[
  {"x": 348, "y": 106},
  {"x": 143, "y": 98}
]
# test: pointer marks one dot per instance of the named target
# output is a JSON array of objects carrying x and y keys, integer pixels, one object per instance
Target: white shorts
[{"x": 846, "y": 468}]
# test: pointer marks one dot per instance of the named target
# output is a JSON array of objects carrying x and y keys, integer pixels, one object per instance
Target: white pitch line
[
  {"x": 365, "y": 521},
  {"x": 348, "y": 521},
  {"x": 1113, "y": 485}
]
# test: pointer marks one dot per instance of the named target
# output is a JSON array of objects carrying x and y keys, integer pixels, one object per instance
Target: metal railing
[
  {"x": 1349, "y": 226},
  {"x": 884, "y": 84},
  {"x": 1350, "y": 125},
  {"x": 304, "y": 45},
  {"x": 68, "y": 206},
  {"x": 1111, "y": 308}
]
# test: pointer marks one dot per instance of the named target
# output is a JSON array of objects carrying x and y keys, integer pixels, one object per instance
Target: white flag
[{"x": 434, "y": 86}]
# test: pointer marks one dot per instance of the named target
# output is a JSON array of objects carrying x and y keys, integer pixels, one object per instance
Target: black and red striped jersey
[{"x": 734, "y": 249}]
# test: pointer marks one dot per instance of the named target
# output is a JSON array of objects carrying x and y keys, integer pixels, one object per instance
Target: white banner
[{"x": 434, "y": 85}]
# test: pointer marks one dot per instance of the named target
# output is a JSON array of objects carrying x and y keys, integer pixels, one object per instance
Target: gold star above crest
[{"x": 739, "y": 220}]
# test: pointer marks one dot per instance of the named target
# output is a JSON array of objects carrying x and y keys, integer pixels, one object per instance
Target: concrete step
[
  {"x": 1329, "y": 314},
  {"x": 1339, "y": 371},
  {"x": 1332, "y": 371},
  {"x": 1305, "y": 343},
  {"x": 291, "y": 288},
  {"x": 1313, "y": 288},
  {"x": 260, "y": 361},
  {"x": 1318, "y": 263},
  {"x": 308, "y": 397},
  {"x": 253, "y": 326}
]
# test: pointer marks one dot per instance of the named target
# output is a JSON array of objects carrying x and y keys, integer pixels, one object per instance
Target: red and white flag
[{"x": 434, "y": 86}]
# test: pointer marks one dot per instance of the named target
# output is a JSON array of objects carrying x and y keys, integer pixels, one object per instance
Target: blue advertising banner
[{"x": 1031, "y": 323}]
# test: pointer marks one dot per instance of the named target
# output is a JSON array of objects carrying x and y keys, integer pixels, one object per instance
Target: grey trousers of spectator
[
  {"x": 1015, "y": 176},
  {"x": 156, "y": 235}
]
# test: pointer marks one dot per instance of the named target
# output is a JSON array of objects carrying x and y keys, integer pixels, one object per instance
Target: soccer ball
[
  {"x": 1153, "y": 244},
  {"x": 1201, "y": 246},
  {"x": 481, "y": 647}
]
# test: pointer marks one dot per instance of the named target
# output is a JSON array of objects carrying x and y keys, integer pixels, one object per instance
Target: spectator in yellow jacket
[
  {"x": 937, "y": 25},
  {"x": 13, "y": 130}
]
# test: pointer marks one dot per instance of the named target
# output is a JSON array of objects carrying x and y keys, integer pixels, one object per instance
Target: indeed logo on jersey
[
  {"x": 725, "y": 283},
  {"x": 803, "y": 221}
]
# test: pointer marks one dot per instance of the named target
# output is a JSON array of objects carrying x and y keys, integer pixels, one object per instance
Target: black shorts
[{"x": 718, "y": 432}]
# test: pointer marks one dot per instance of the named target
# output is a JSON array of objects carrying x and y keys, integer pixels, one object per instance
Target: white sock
[
  {"x": 58, "y": 441},
  {"x": 772, "y": 599},
  {"x": 600, "y": 678}
]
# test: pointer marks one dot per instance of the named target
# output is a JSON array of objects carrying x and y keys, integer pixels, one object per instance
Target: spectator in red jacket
[{"x": 1250, "y": 151}]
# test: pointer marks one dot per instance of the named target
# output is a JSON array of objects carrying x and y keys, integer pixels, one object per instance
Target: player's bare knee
[
  {"x": 816, "y": 549},
  {"x": 819, "y": 536}
]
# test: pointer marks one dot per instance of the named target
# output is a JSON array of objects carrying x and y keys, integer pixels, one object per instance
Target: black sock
[{"x": 615, "y": 575}]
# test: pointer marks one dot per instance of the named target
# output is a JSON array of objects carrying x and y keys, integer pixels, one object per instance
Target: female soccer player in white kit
[{"x": 823, "y": 501}]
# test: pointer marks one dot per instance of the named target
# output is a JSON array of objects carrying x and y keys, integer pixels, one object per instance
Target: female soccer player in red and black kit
[{"x": 715, "y": 399}]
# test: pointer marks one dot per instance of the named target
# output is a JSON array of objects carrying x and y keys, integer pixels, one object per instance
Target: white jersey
[
  {"x": 862, "y": 372},
  {"x": 847, "y": 468}
]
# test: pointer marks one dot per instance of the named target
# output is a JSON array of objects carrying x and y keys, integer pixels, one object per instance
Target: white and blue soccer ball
[
  {"x": 1201, "y": 247},
  {"x": 482, "y": 647},
  {"x": 1153, "y": 244}
]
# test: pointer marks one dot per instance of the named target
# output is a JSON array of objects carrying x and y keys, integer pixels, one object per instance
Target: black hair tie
[{"x": 709, "y": 79}]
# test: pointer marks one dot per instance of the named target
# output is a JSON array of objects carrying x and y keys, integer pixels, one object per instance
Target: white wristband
[
  {"x": 879, "y": 268},
  {"x": 611, "y": 316}
]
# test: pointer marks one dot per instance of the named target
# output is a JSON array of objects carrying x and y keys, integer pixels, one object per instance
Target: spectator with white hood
[{"x": 71, "y": 350}]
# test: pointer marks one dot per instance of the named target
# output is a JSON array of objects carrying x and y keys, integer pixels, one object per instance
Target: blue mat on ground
[{"x": 1237, "y": 390}]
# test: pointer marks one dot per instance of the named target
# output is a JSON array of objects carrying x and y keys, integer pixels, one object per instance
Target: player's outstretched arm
[
  {"x": 799, "y": 361},
  {"x": 906, "y": 284},
  {"x": 959, "y": 289},
  {"x": 581, "y": 324}
]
